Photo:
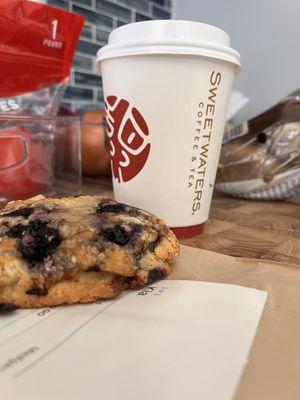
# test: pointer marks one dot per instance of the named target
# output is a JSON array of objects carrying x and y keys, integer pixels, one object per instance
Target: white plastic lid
[{"x": 169, "y": 37}]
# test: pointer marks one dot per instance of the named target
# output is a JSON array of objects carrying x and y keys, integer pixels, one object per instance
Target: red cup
[{"x": 24, "y": 164}]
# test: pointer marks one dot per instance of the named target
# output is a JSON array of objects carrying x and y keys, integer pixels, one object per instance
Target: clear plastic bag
[
  {"x": 261, "y": 159},
  {"x": 37, "y": 45},
  {"x": 46, "y": 161}
]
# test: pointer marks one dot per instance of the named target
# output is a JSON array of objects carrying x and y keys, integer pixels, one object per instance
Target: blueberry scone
[{"x": 78, "y": 249}]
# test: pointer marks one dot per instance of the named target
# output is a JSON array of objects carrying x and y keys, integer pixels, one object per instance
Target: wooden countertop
[
  {"x": 252, "y": 229},
  {"x": 242, "y": 228}
]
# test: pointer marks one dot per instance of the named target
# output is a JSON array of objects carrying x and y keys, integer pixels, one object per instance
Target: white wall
[{"x": 267, "y": 35}]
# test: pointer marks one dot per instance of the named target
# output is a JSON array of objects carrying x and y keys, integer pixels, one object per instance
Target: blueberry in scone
[{"x": 78, "y": 249}]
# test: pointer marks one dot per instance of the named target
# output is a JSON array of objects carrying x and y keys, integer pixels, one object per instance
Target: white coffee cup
[{"x": 166, "y": 86}]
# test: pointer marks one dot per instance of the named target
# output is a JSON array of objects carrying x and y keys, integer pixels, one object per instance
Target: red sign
[{"x": 37, "y": 43}]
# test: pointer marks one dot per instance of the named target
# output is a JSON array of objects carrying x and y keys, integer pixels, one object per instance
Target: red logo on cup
[{"x": 128, "y": 138}]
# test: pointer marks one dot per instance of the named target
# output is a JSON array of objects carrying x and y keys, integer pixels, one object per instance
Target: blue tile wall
[
  {"x": 141, "y": 17},
  {"x": 160, "y": 2},
  {"x": 88, "y": 48},
  {"x": 59, "y": 3},
  {"x": 87, "y": 79},
  {"x": 79, "y": 93},
  {"x": 81, "y": 62},
  {"x": 100, "y": 96},
  {"x": 113, "y": 9},
  {"x": 102, "y": 36},
  {"x": 86, "y": 2},
  {"x": 159, "y": 13},
  {"x": 94, "y": 17},
  {"x": 85, "y": 88},
  {"x": 120, "y": 23},
  {"x": 87, "y": 31},
  {"x": 139, "y": 5}
]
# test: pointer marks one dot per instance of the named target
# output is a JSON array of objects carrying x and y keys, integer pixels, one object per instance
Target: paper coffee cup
[{"x": 166, "y": 87}]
